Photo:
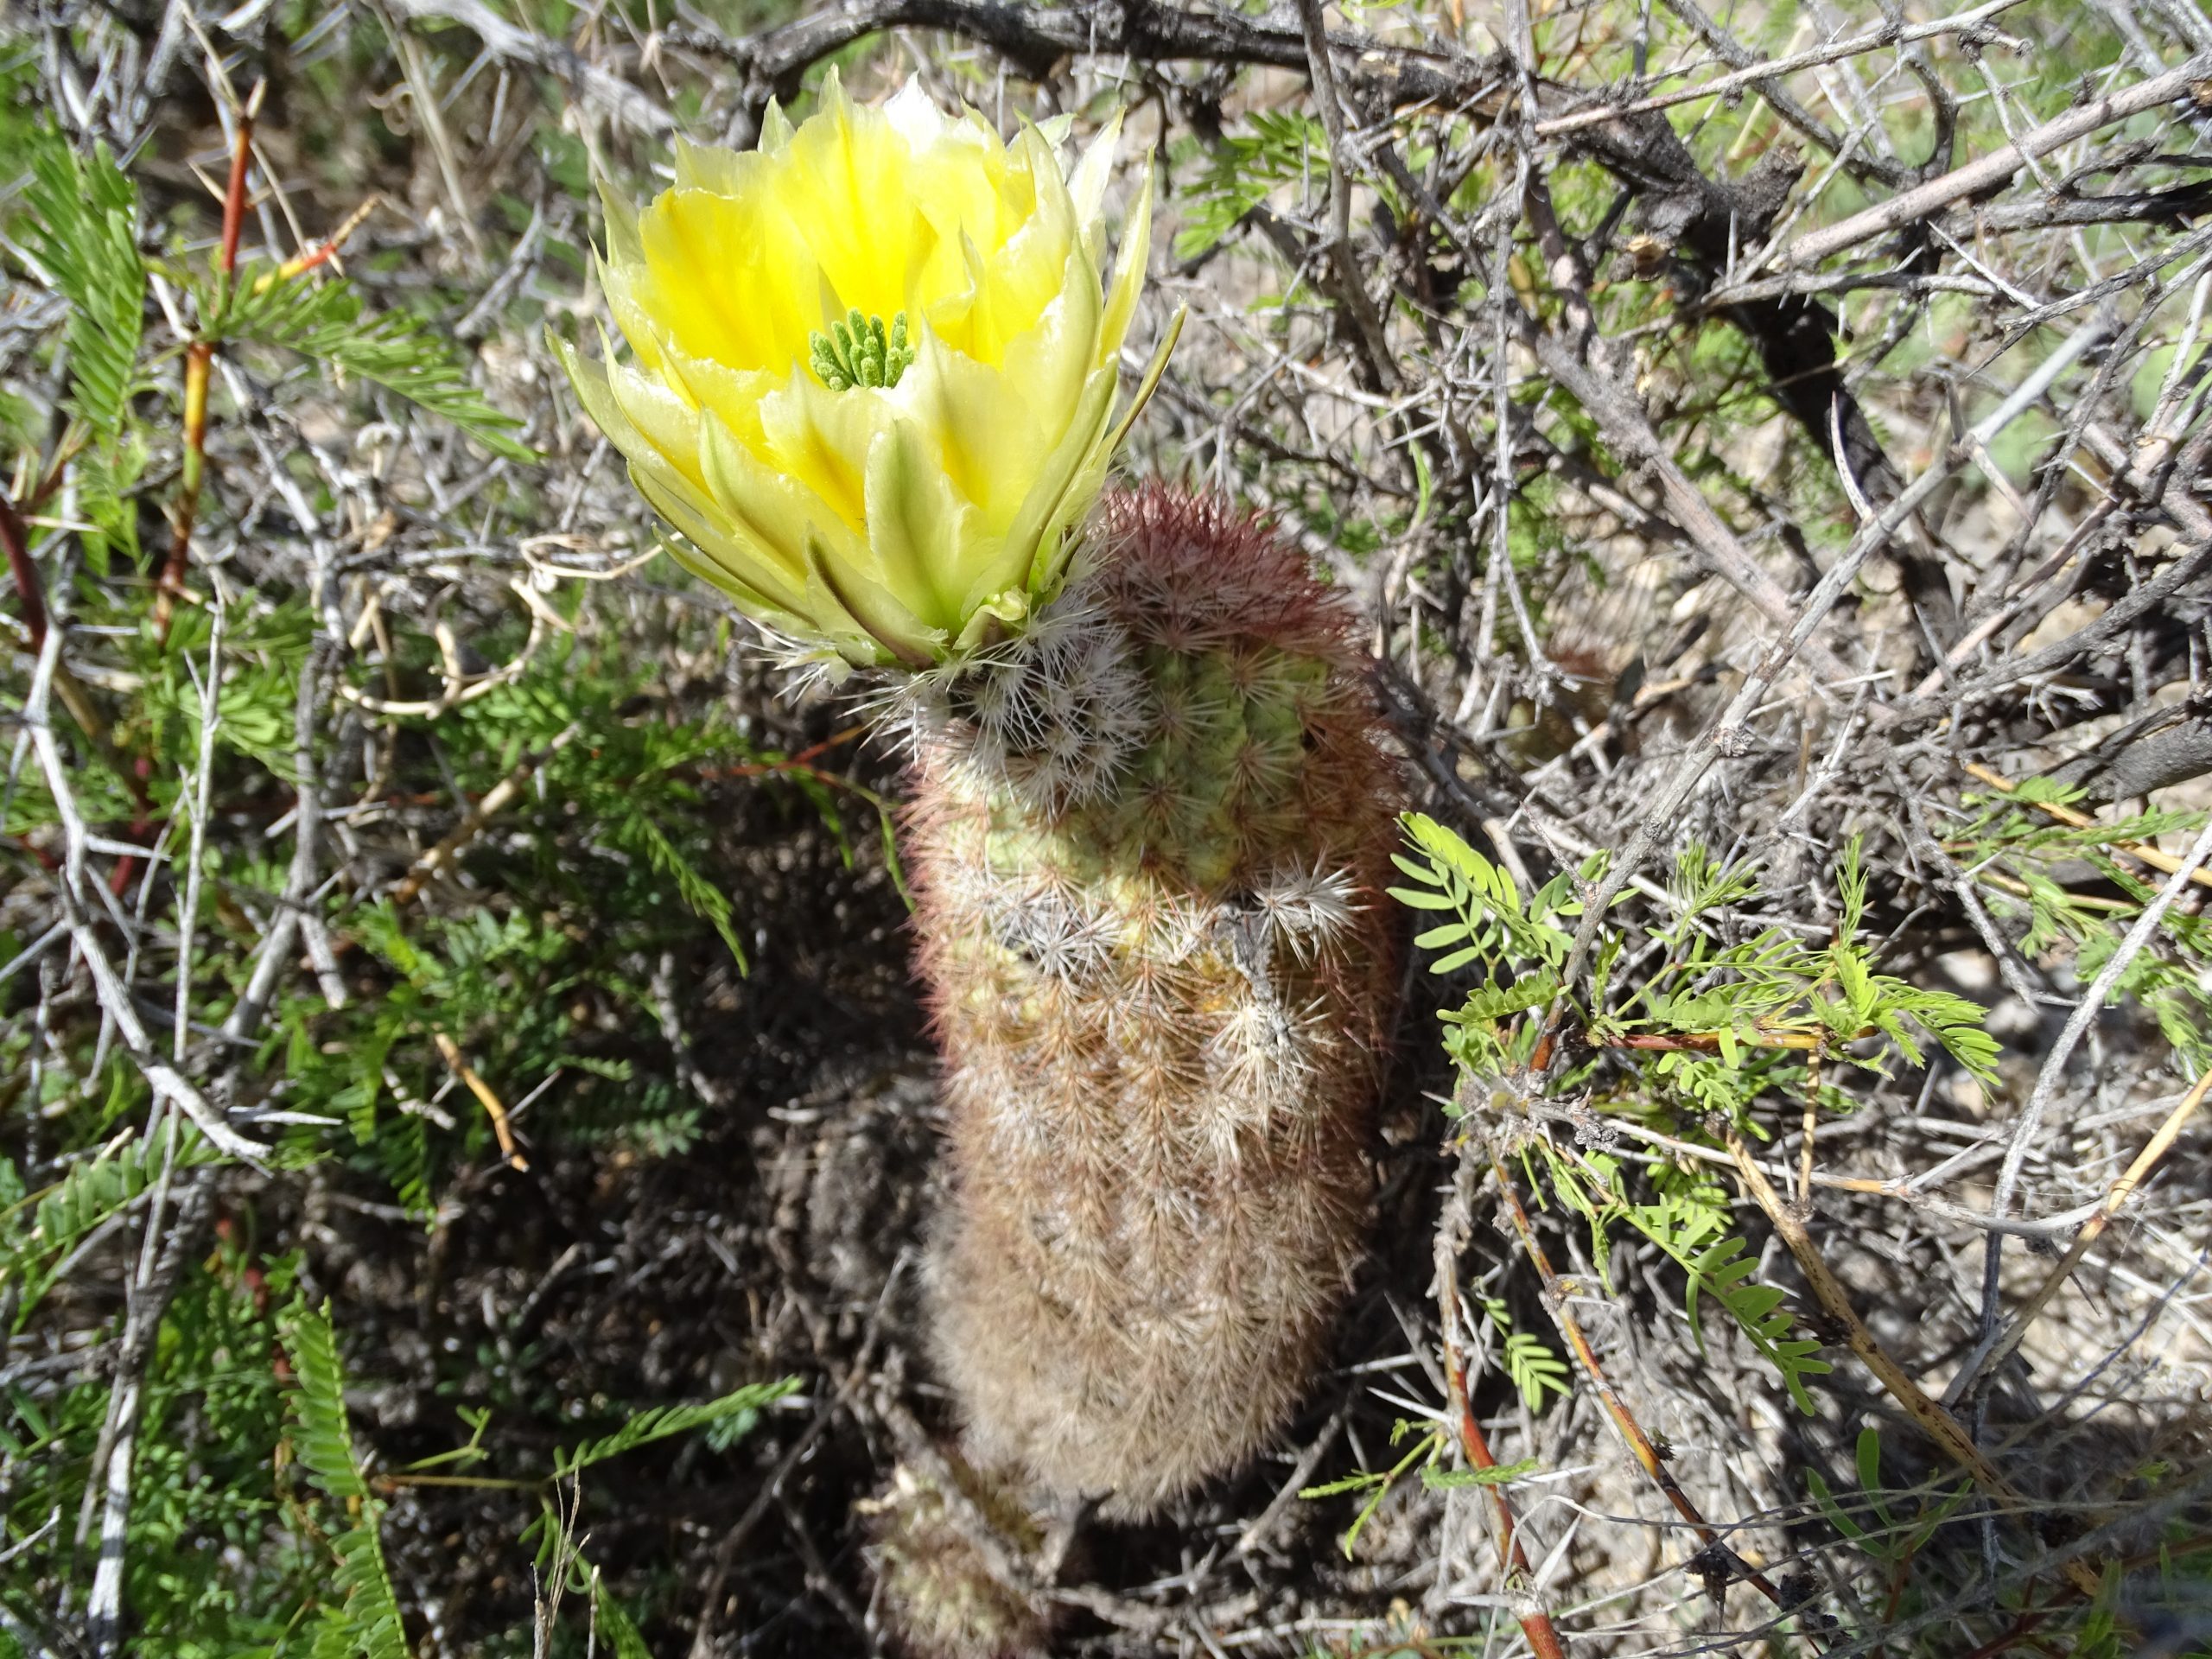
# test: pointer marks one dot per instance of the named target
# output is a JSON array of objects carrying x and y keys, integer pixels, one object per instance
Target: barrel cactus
[{"x": 870, "y": 387}]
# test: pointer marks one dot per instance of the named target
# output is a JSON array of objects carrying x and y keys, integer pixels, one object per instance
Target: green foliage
[
  {"x": 1688, "y": 1225},
  {"x": 1278, "y": 147},
  {"x": 322, "y": 319},
  {"x": 2029, "y": 864},
  {"x": 89, "y": 1195},
  {"x": 1535, "y": 1368},
  {"x": 1488, "y": 922},
  {"x": 1447, "y": 1480},
  {"x": 81, "y": 226},
  {"x": 613, "y": 1619},
  {"x": 215, "y": 1565},
  {"x": 361, "y": 1616},
  {"x": 1724, "y": 1023},
  {"x": 1429, "y": 1452},
  {"x": 1715, "y": 1028},
  {"x": 1688, "y": 1219},
  {"x": 737, "y": 1412},
  {"x": 1875, "y": 1520},
  {"x": 701, "y": 897},
  {"x": 1489, "y": 917},
  {"x": 253, "y": 1523},
  {"x": 605, "y": 862}
]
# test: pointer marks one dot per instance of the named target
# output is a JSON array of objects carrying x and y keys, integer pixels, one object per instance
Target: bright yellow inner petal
[{"x": 742, "y": 262}]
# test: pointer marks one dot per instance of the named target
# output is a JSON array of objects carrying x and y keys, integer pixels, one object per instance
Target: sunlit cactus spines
[{"x": 1161, "y": 1001}]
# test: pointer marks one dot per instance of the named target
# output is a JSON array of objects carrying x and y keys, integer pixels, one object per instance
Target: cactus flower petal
[{"x": 871, "y": 369}]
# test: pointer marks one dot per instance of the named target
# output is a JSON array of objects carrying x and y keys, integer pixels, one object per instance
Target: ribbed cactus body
[{"x": 1149, "y": 852}]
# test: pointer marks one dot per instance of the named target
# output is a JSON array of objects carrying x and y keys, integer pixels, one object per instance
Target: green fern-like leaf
[
  {"x": 82, "y": 230},
  {"x": 1534, "y": 1368},
  {"x": 615, "y": 1624},
  {"x": 707, "y": 901},
  {"x": 1279, "y": 148},
  {"x": 660, "y": 1421},
  {"x": 402, "y": 1149},
  {"x": 1687, "y": 1225},
  {"x": 361, "y": 1618},
  {"x": 87, "y": 1196},
  {"x": 1492, "y": 923},
  {"x": 323, "y": 320},
  {"x": 1445, "y": 1480}
]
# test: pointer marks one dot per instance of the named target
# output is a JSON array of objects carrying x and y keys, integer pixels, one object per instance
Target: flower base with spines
[{"x": 1161, "y": 975}]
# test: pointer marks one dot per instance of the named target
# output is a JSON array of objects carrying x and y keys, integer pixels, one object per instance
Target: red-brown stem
[
  {"x": 72, "y": 441},
  {"x": 1631, "y": 1432},
  {"x": 792, "y": 763},
  {"x": 2023, "y": 1627},
  {"x": 234, "y": 196},
  {"x": 324, "y": 250},
  {"x": 38, "y": 854},
  {"x": 199, "y": 365},
  {"x": 30, "y": 593},
  {"x": 1536, "y": 1624}
]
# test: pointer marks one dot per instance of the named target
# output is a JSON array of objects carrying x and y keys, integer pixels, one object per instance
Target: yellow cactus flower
[{"x": 871, "y": 370}]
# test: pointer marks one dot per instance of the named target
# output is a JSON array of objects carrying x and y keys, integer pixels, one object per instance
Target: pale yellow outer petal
[
  {"x": 657, "y": 413},
  {"x": 776, "y": 126},
  {"x": 733, "y": 394},
  {"x": 1129, "y": 263},
  {"x": 710, "y": 167},
  {"x": 919, "y": 530},
  {"x": 777, "y": 519},
  {"x": 984, "y": 441},
  {"x": 1051, "y": 363},
  {"x": 1069, "y": 483},
  {"x": 873, "y": 610},
  {"x": 1088, "y": 185},
  {"x": 590, "y": 379},
  {"x": 690, "y": 549},
  {"x": 914, "y": 116}
]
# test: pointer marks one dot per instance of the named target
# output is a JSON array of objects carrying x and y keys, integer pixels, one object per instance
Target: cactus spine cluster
[{"x": 1148, "y": 842}]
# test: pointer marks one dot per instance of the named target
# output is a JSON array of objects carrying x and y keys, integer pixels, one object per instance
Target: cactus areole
[{"x": 1152, "y": 812}]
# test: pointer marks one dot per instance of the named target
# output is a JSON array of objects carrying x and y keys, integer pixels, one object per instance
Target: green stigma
[{"x": 858, "y": 352}]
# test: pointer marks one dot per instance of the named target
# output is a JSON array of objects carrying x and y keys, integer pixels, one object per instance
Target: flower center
[{"x": 860, "y": 352}]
